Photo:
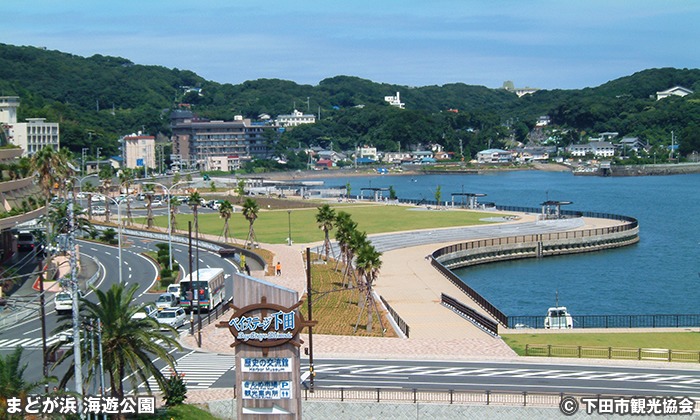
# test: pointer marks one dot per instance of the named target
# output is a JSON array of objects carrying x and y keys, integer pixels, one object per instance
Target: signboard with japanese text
[
  {"x": 267, "y": 364},
  {"x": 265, "y": 328},
  {"x": 267, "y": 390}
]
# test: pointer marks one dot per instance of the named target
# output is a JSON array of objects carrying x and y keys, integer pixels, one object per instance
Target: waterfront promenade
[{"x": 412, "y": 287}]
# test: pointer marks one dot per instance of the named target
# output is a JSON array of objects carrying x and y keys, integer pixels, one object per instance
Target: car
[
  {"x": 174, "y": 317},
  {"x": 156, "y": 203},
  {"x": 98, "y": 211},
  {"x": 206, "y": 177},
  {"x": 63, "y": 302},
  {"x": 175, "y": 289},
  {"x": 148, "y": 311},
  {"x": 166, "y": 300}
]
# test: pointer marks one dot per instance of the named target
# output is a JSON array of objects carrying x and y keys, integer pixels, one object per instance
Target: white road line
[{"x": 31, "y": 331}]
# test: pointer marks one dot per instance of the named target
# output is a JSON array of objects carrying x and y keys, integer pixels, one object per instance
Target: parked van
[{"x": 63, "y": 303}]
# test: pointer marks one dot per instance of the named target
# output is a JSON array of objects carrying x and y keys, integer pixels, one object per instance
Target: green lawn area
[
  {"x": 661, "y": 340},
  {"x": 273, "y": 226}
]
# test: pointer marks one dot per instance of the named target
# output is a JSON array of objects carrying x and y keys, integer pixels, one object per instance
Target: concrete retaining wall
[
  {"x": 312, "y": 410},
  {"x": 489, "y": 254}
]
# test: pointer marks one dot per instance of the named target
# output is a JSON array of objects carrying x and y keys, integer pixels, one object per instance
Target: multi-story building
[
  {"x": 294, "y": 119},
  {"x": 139, "y": 150},
  {"x": 31, "y": 136},
  {"x": 395, "y": 100},
  {"x": 196, "y": 140},
  {"x": 223, "y": 163},
  {"x": 597, "y": 148}
]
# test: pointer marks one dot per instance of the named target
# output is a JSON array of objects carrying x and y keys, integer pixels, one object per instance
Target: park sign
[{"x": 266, "y": 324}]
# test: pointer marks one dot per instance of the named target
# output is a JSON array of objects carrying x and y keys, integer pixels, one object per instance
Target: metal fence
[
  {"x": 403, "y": 326},
  {"x": 592, "y": 352},
  {"x": 476, "y": 297},
  {"x": 469, "y": 313},
  {"x": 612, "y": 321}
]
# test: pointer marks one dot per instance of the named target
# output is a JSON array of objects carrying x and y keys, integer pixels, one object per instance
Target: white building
[
  {"x": 395, "y": 100},
  {"x": 368, "y": 152},
  {"x": 223, "y": 163},
  {"x": 597, "y": 148},
  {"x": 139, "y": 150},
  {"x": 494, "y": 156},
  {"x": 294, "y": 119},
  {"x": 676, "y": 90},
  {"x": 31, "y": 136}
]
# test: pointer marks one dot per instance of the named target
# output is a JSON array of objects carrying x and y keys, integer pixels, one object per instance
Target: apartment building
[
  {"x": 32, "y": 135},
  {"x": 139, "y": 150}
]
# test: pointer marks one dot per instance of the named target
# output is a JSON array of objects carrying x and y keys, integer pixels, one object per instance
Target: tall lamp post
[
  {"x": 170, "y": 230},
  {"x": 289, "y": 214},
  {"x": 119, "y": 222}
]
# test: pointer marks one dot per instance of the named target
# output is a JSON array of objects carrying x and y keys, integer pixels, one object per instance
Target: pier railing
[
  {"x": 467, "y": 312},
  {"x": 613, "y": 321}
]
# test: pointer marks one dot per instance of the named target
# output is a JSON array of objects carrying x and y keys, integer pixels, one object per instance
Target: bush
[
  {"x": 165, "y": 282},
  {"x": 175, "y": 390},
  {"x": 166, "y": 273},
  {"x": 164, "y": 261}
]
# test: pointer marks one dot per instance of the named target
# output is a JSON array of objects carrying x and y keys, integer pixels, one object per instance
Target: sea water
[{"x": 659, "y": 275}]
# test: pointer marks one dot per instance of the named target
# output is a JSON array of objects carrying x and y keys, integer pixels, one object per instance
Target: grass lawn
[
  {"x": 273, "y": 226},
  {"x": 338, "y": 311},
  {"x": 661, "y": 340}
]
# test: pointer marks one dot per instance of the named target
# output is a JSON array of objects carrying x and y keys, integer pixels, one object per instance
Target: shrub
[
  {"x": 166, "y": 273},
  {"x": 175, "y": 390}
]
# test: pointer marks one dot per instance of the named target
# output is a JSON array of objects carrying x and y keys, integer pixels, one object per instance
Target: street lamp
[
  {"x": 289, "y": 214},
  {"x": 170, "y": 230},
  {"x": 119, "y": 222}
]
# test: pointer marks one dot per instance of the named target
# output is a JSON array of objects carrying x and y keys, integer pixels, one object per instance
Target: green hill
[{"x": 99, "y": 98}]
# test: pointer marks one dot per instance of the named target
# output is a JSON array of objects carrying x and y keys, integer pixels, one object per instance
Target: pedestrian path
[{"x": 200, "y": 370}]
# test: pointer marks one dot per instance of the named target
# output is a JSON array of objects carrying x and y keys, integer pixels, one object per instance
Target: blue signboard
[{"x": 139, "y": 162}]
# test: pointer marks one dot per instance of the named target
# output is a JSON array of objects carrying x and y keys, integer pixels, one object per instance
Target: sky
[{"x": 562, "y": 44}]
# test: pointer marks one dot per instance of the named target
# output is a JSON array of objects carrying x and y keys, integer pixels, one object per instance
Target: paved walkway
[{"x": 412, "y": 287}]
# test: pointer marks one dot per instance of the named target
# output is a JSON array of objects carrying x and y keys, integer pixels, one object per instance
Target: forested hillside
[{"x": 98, "y": 99}]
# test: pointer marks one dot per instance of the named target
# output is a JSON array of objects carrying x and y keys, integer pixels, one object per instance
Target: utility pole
[
  {"x": 311, "y": 333},
  {"x": 77, "y": 359},
  {"x": 82, "y": 165}
]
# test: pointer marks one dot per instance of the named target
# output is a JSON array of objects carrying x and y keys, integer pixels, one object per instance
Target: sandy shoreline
[{"x": 352, "y": 172}]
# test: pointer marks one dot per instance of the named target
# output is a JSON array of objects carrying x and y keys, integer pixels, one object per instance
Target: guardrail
[
  {"x": 476, "y": 297},
  {"x": 403, "y": 326},
  {"x": 465, "y": 311},
  {"x": 628, "y": 353},
  {"x": 612, "y": 321}
]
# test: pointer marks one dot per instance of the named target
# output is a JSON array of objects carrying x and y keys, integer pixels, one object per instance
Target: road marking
[{"x": 31, "y": 331}]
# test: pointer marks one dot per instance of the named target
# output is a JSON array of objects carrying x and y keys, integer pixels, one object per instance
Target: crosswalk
[
  {"x": 27, "y": 343},
  {"x": 201, "y": 370}
]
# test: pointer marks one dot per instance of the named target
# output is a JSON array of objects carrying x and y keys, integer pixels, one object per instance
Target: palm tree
[
  {"x": 225, "y": 211},
  {"x": 90, "y": 189},
  {"x": 105, "y": 182},
  {"x": 12, "y": 383},
  {"x": 344, "y": 228},
  {"x": 126, "y": 176},
  {"x": 174, "y": 204},
  {"x": 325, "y": 219},
  {"x": 250, "y": 212},
  {"x": 148, "y": 188},
  {"x": 129, "y": 346},
  {"x": 195, "y": 200},
  {"x": 368, "y": 264},
  {"x": 358, "y": 239}
]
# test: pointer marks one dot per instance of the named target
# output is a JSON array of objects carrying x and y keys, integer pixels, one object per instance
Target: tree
[
  {"x": 129, "y": 346},
  {"x": 225, "y": 211},
  {"x": 12, "y": 383},
  {"x": 347, "y": 191},
  {"x": 250, "y": 212},
  {"x": 126, "y": 177},
  {"x": 195, "y": 200},
  {"x": 174, "y": 204},
  {"x": 105, "y": 176},
  {"x": 438, "y": 195},
  {"x": 325, "y": 219},
  {"x": 368, "y": 264},
  {"x": 90, "y": 189},
  {"x": 343, "y": 233},
  {"x": 148, "y": 189},
  {"x": 392, "y": 193},
  {"x": 240, "y": 189}
]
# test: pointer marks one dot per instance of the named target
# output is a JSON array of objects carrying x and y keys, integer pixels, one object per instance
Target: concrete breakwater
[{"x": 491, "y": 250}]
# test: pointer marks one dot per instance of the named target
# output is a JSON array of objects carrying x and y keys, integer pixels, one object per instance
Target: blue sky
[{"x": 567, "y": 44}]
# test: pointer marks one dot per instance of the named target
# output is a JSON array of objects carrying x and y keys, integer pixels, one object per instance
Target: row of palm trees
[{"x": 354, "y": 246}]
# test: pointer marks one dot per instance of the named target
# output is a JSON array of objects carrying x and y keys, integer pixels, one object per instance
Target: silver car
[{"x": 174, "y": 317}]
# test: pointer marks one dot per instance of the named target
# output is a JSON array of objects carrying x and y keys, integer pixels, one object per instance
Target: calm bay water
[{"x": 659, "y": 275}]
